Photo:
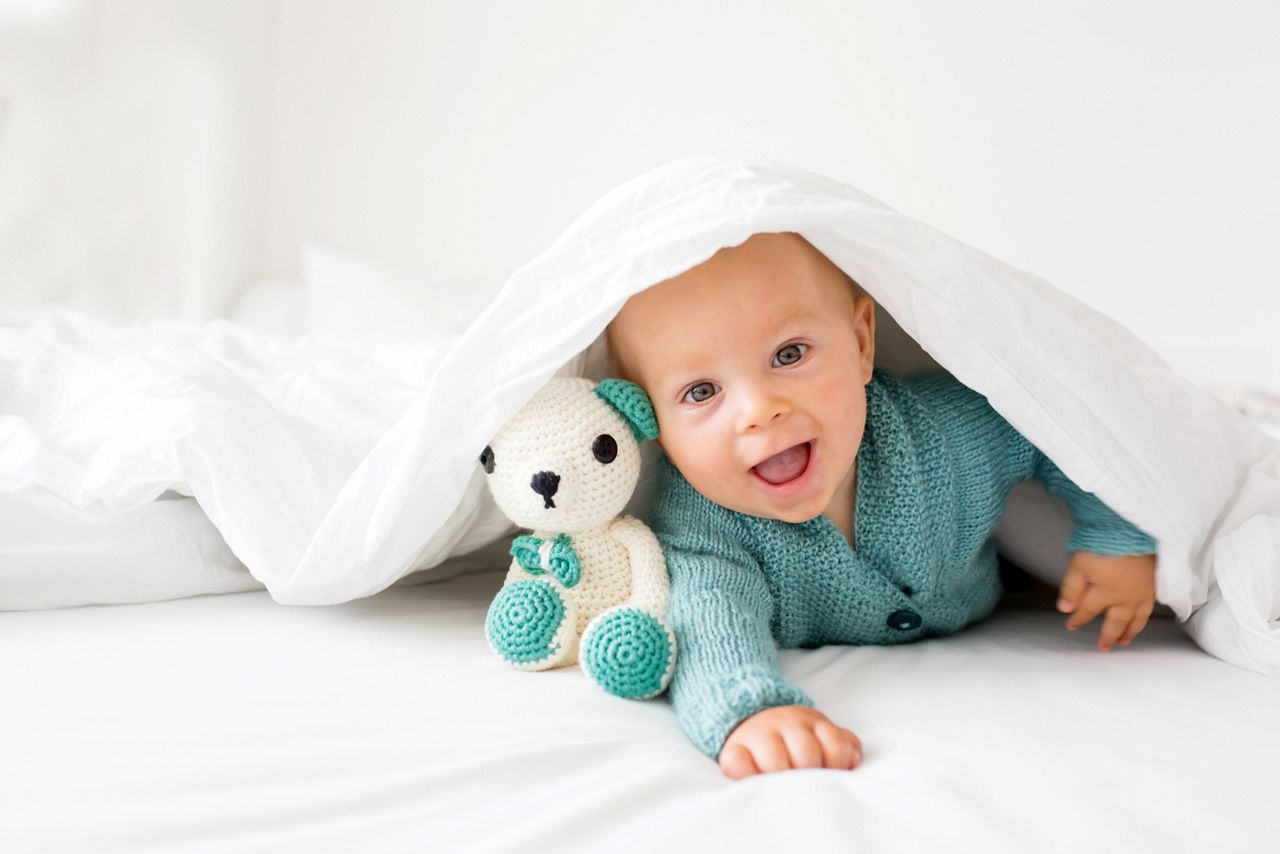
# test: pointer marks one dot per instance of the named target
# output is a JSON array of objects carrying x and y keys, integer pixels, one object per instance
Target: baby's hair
[
  {"x": 619, "y": 368},
  {"x": 854, "y": 288}
]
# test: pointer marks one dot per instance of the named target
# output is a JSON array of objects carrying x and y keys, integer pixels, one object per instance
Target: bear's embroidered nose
[{"x": 545, "y": 483}]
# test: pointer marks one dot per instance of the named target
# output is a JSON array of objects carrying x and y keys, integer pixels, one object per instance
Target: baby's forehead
[
  {"x": 653, "y": 346},
  {"x": 742, "y": 294}
]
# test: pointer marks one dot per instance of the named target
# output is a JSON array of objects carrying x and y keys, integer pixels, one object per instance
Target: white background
[{"x": 162, "y": 157}]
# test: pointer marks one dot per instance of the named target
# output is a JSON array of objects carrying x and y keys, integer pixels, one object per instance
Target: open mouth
[{"x": 787, "y": 467}]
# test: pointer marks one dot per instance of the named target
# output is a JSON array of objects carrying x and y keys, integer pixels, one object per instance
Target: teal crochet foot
[
  {"x": 629, "y": 652},
  {"x": 530, "y": 625}
]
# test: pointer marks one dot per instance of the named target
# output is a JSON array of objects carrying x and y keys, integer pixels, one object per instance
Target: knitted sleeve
[
  {"x": 721, "y": 610},
  {"x": 998, "y": 451},
  {"x": 1099, "y": 529}
]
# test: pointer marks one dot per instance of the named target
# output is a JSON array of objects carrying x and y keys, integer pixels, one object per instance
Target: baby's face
[{"x": 759, "y": 354}]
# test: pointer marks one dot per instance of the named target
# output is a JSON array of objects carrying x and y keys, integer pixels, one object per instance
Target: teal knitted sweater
[{"x": 934, "y": 470}]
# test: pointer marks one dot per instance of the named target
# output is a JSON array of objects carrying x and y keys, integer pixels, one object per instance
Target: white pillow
[
  {"x": 270, "y": 306},
  {"x": 344, "y": 296}
]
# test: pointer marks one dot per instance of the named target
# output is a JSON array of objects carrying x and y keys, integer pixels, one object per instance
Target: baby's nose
[{"x": 761, "y": 409}]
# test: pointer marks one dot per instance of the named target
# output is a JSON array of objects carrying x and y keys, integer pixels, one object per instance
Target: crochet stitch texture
[{"x": 934, "y": 471}]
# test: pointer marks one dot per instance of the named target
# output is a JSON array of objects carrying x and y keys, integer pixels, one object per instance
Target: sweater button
[{"x": 904, "y": 620}]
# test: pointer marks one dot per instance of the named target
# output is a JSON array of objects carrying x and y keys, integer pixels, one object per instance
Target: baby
[{"x": 806, "y": 498}]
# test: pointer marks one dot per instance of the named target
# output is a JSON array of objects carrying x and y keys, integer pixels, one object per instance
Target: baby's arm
[
  {"x": 729, "y": 695},
  {"x": 720, "y": 612},
  {"x": 1112, "y": 570},
  {"x": 728, "y": 692},
  {"x": 1112, "y": 565},
  {"x": 1099, "y": 529}
]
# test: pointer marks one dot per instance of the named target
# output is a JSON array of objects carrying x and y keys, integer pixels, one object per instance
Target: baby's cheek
[
  {"x": 674, "y": 443},
  {"x": 719, "y": 482},
  {"x": 848, "y": 404}
]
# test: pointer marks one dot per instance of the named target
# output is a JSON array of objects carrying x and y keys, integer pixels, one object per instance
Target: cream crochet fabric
[{"x": 587, "y": 584}]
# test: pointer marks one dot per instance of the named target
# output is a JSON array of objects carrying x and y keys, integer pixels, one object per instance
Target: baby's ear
[{"x": 634, "y": 405}]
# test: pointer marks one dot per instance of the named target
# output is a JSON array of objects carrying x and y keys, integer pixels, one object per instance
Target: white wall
[
  {"x": 133, "y": 153},
  {"x": 1123, "y": 150}
]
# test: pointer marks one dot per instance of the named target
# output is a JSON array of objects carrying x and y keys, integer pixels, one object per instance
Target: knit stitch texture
[{"x": 934, "y": 471}]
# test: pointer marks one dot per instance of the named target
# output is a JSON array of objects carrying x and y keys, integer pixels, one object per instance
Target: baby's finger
[
  {"x": 803, "y": 747},
  {"x": 841, "y": 748},
  {"x": 1113, "y": 626},
  {"x": 770, "y": 753},
  {"x": 1088, "y": 608},
  {"x": 1073, "y": 586},
  {"x": 1138, "y": 623},
  {"x": 736, "y": 762}
]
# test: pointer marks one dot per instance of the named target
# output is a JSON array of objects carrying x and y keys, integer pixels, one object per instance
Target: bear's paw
[
  {"x": 629, "y": 652},
  {"x": 530, "y": 624}
]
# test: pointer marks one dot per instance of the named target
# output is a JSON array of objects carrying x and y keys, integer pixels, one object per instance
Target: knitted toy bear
[{"x": 587, "y": 585}]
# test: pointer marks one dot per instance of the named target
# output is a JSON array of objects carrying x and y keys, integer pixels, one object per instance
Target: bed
[{"x": 230, "y": 723}]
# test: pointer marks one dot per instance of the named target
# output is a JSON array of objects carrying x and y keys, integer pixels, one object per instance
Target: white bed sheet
[{"x": 231, "y": 723}]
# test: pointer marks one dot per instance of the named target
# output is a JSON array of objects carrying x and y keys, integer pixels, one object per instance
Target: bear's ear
[{"x": 629, "y": 399}]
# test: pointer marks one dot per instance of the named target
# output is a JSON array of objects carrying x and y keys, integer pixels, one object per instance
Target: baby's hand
[
  {"x": 788, "y": 737},
  {"x": 1124, "y": 586}
]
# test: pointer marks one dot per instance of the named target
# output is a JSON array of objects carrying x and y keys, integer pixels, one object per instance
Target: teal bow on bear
[{"x": 562, "y": 562}]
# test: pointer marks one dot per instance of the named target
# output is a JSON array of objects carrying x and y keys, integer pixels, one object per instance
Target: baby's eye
[
  {"x": 700, "y": 392},
  {"x": 789, "y": 355}
]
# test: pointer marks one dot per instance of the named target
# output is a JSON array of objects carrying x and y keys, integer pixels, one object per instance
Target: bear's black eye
[
  {"x": 486, "y": 459},
  {"x": 605, "y": 448}
]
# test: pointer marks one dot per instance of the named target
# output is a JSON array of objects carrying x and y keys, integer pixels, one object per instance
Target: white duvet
[{"x": 330, "y": 468}]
